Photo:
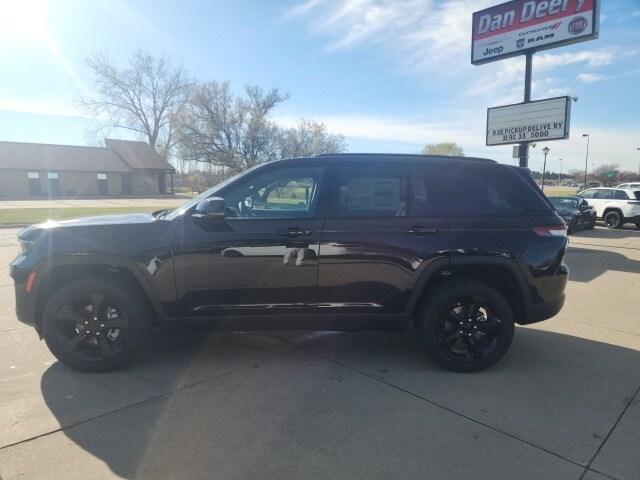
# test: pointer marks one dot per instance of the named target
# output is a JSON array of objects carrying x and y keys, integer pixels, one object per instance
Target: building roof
[
  {"x": 119, "y": 156},
  {"x": 40, "y": 156},
  {"x": 138, "y": 155}
]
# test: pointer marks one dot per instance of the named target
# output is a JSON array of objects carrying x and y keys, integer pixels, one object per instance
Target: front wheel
[
  {"x": 95, "y": 325},
  {"x": 466, "y": 326},
  {"x": 613, "y": 219}
]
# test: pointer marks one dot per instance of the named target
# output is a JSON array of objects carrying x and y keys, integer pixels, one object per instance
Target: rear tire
[
  {"x": 613, "y": 219},
  {"x": 95, "y": 325},
  {"x": 638, "y": 225},
  {"x": 466, "y": 326}
]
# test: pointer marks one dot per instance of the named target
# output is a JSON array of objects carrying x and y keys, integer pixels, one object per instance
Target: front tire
[
  {"x": 95, "y": 325},
  {"x": 466, "y": 326},
  {"x": 613, "y": 219}
]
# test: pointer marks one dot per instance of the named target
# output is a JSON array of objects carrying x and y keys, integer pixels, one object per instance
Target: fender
[
  {"x": 449, "y": 264},
  {"x": 113, "y": 263}
]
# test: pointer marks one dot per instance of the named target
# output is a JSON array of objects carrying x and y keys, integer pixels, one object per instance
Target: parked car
[
  {"x": 615, "y": 206},
  {"x": 338, "y": 242},
  {"x": 575, "y": 211},
  {"x": 633, "y": 186}
]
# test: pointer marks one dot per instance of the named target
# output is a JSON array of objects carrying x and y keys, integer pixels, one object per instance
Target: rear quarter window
[{"x": 469, "y": 189}]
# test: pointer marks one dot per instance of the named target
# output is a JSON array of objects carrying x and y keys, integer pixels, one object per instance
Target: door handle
[
  {"x": 421, "y": 230},
  {"x": 294, "y": 232}
]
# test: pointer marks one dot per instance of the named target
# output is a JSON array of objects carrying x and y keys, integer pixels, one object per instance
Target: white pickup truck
[{"x": 615, "y": 206}]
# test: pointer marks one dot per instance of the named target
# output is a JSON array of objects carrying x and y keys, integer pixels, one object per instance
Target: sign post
[{"x": 523, "y": 27}]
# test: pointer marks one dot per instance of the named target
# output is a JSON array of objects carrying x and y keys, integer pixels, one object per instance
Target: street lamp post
[
  {"x": 638, "y": 150},
  {"x": 560, "y": 177},
  {"x": 546, "y": 151},
  {"x": 586, "y": 160}
]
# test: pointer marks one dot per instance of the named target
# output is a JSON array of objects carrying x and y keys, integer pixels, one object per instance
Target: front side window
[
  {"x": 588, "y": 194},
  {"x": 290, "y": 192},
  {"x": 369, "y": 191}
]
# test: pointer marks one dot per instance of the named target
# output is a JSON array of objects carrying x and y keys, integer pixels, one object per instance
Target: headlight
[{"x": 26, "y": 246}]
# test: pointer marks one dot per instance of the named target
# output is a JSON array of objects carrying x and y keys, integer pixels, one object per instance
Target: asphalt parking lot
[{"x": 563, "y": 404}]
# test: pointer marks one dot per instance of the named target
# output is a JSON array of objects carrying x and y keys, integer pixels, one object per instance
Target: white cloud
[
  {"x": 590, "y": 78},
  {"x": 635, "y": 13}
]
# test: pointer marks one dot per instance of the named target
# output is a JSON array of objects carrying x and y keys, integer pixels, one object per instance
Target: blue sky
[{"x": 389, "y": 75}]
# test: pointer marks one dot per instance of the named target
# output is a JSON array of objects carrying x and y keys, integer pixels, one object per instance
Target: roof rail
[{"x": 405, "y": 155}]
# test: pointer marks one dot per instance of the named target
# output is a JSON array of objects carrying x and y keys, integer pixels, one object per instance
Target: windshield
[{"x": 563, "y": 202}]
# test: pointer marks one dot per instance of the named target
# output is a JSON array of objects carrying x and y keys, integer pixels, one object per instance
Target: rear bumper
[{"x": 543, "y": 311}]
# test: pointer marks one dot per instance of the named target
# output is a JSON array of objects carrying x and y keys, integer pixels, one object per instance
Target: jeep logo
[{"x": 492, "y": 51}]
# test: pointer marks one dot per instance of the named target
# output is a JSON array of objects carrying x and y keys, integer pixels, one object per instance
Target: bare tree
[
  {"x": 235, "y": 132},
  {"x": 307, "y": 139},
  {"x": 144, "y": 97},
  {"x": 446, "y": 148}
]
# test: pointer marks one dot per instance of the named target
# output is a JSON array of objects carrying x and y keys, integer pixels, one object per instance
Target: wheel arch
[
  {"x": 501, "y": 274},
  {"x": 58, "y": 272}
]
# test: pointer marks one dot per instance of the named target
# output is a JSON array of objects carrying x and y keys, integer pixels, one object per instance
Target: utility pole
[
  {"x": 586, "y": 160},
  {"x": 524, "y": 146},
  {"x": 546, "y": 151}
]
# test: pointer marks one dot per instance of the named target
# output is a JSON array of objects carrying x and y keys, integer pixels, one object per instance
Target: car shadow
[
  {"x": 249, "y": 412},
  {"x": 586, "y": 264}
]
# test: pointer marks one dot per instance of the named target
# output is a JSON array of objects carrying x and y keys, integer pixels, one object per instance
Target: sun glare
[{"x": 22, "y": 18}]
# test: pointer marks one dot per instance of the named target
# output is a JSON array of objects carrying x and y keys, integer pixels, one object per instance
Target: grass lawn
[
  {"x": 559, "y": 191},
  {"x": 21, "y": 216}
]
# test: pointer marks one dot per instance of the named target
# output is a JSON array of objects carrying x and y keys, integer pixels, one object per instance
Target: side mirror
[{"x": 211, "y": 208}]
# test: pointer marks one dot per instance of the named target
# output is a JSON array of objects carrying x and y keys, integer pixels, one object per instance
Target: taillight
[
  {"x": 30, "y": 279},
  {"x": 551, "y": 231}
]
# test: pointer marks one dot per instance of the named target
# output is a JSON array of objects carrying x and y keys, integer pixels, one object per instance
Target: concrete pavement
[{"x": 563, "y": 404}]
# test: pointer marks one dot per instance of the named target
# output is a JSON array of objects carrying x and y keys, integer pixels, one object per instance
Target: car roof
[{"x": 400, "y": 156}]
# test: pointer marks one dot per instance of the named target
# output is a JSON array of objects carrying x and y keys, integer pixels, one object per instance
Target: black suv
[{"x": 459, "y": 248}]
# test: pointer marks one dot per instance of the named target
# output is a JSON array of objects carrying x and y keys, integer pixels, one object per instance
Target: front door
[{"x": 263, "y": 257}]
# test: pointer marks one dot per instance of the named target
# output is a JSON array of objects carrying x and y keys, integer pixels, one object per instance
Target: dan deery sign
[
  {"x": 514, "y": 28},
  {"x": 541, "y": 120}
]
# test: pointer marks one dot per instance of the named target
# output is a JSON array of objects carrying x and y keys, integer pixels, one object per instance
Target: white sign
[
  {"x": 522, "y": 26},
  {"x": 531, "y": 121}
]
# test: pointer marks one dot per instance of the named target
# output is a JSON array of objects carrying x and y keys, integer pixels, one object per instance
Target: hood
[
  {"x": 33, "y": 231},
  {"x": 566, "y": 212}
]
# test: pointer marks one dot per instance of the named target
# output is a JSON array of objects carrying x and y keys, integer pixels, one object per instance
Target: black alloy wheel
[
  {"x": 466, "y": 326},
  {"x": 95, "y": 325},
  {"x": 92, "y": 328},
  {"x": 468, "y": 330}
]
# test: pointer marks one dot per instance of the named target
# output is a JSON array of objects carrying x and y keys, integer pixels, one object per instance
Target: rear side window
[
  {"x": 620, "y": 195},
  {"x": 363, "y": 190},
  {"x": 467, "y": 189}
]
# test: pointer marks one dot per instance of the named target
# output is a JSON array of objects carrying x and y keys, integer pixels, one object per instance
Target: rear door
[{"x": 382, "y": 229}]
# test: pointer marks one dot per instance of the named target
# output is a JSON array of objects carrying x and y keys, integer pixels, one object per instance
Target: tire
[
  {"x": 591, "y": 226},
  {"x": 613, "y": 219},
  {"x": 638, "y": 225},
  {"x": 117, "y": 323},
  {"x": 446, "y": 342}
]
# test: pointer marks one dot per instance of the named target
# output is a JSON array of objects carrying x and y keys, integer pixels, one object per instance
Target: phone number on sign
[{"x": 525, "y": 136}]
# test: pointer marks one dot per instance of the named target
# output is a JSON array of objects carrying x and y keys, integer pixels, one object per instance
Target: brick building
[{"x": 121, "y": 167}]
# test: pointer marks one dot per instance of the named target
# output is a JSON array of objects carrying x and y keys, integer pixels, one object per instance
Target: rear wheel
[
  {"x": 466, "y": 326},
  {"x": 95, "y": 325},
  {"x": 613, "y": 219},
  {"x": 638, "y": 225}
]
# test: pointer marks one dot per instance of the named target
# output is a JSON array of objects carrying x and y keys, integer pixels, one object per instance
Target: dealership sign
[
  {"x": 540, "y": 120},
  {"x": 516, "y": 27}
]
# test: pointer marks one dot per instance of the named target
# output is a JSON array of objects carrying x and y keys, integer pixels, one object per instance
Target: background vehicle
[
  {"x": 339, "y": 242},
  {"x": 575, "y": 211},
  {"x": 633, "y": 186},
  {"x": 615, "y": 206}
]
